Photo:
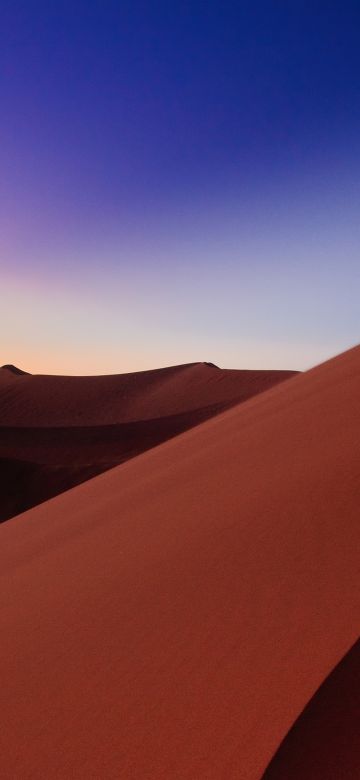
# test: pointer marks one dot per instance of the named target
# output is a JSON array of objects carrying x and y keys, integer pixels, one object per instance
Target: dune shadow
[{"x": 323, "y": 743}]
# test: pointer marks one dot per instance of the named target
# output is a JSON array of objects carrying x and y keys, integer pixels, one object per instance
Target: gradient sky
[{"x": 179, "y": 181}]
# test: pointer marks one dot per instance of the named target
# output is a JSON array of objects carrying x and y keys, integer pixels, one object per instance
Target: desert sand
[
  {"x": 173, "y": 617},
  {"x": 56, "y": 432}
]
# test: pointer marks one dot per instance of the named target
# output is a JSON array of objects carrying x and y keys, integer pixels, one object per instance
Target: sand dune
[
  {"x": 40, "y": 400},
  {"x": 56, "y": 432},
  {"x": 173, "y": 617}
]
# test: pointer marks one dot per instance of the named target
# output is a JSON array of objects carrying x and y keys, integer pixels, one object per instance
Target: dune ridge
[
  {"x": 56, "y": 432},
  {"x": 173, "y": 617}
]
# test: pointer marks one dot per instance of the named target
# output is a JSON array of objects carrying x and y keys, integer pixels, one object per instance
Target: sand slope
[
  {"x": 172, "y": 618},
  {"x": 56, "y": 432}
]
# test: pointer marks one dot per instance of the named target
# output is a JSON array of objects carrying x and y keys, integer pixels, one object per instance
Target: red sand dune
[
  {"x": 56, "y": 432},
  {"x": 173, "y": 617},
  {"x": 42, "y": 401}
]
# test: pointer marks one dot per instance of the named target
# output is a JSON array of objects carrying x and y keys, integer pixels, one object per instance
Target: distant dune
[
  {"x": 56, "y": 432},
  {"x": 175, "y": 617},
  {"x": 10, "y": 369}
]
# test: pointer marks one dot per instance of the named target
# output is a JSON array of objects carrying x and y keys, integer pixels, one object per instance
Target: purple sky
[{"x": 179, "y": 182}]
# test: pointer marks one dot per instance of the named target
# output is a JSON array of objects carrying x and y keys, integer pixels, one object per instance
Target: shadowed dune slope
[
  {"x": 172, "y": 618},
  {"x": 324, "y": 742},
  {"x": 56, "y": 432}
]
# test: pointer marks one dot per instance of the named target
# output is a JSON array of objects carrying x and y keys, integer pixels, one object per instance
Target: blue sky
[{"x": 179, "y": 182}]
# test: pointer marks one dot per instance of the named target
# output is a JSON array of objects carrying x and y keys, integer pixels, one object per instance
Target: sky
[{"x": 179, "y": 182}]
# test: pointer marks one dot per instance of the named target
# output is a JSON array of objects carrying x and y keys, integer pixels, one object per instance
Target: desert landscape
[
  {"x": 179, "y": 390},
  {"x": 192, "y": 612},
  {"x": 56, "y": 432}
]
